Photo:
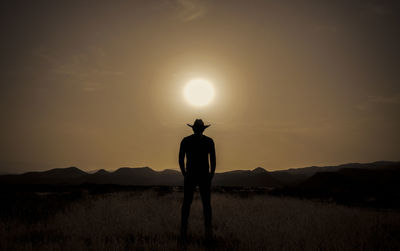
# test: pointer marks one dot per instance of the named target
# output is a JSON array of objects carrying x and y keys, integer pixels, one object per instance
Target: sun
[{"x": 199, "y": 92}]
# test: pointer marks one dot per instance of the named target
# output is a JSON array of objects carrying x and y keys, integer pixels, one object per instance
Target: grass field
[{"x": 148, "y": 220}]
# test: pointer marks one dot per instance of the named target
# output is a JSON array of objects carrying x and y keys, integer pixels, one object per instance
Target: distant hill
[
  {"x": 142, "y": 176},
  {"x": 298, "y": 175},
  {"x": 313, "y": 177},
  {"x": 376, "y": 184},
  {"x": 354, "y": 180},
  {"x": 70, "y": 175},
  {"x": 257, "y": 178},
  {"x": 17, "y": 167}
]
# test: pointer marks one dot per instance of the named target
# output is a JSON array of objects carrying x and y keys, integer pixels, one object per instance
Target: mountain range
[
  {"x": 142, "y": 176},
  {"x": 375, "y": 184},
  {"x": 258, "y": 177}
]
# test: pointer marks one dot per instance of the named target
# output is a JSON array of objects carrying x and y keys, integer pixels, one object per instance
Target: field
[{"x": 149, "y": 220}]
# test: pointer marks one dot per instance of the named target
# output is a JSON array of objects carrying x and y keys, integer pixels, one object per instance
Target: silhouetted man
[{"x": 197, "y": 148}]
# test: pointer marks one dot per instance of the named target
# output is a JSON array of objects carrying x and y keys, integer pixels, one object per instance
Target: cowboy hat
[{"x": 198, "y": 123}]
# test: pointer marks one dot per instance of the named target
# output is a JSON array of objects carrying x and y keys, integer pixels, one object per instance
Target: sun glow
[{"x": 199, "y": 92}]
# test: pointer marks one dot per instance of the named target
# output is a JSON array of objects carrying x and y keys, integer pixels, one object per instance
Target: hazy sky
[{"x": 98, "y": 84}]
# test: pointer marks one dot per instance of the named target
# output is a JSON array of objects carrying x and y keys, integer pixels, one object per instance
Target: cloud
[
  {"x": 189, "y": 10},
  {"x": 87, "y": 68}
]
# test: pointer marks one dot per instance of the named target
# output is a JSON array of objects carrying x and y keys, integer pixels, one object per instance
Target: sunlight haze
[{"x": 102, "y": 85}]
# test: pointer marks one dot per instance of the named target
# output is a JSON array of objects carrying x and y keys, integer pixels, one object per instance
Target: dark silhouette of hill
[
  {"x": 96, "y": 170},
  {"x": 143, "y": 176},
  {"x": 258, "y": 177},
  {"x": 287, "y": 178},
  {"x": 19, "y": 167},
  {"x": 295, "y": 176},
  {"x": 376, "y": 184},
  {"x": 369, "y": 177},
  {"x": 70, "y": 175},
  {"x": 101, "y": 172},
  {"x": 354, "y": 180}
]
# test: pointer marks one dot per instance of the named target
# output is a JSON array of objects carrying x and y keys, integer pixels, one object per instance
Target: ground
[{"x": 149, "y": 220}]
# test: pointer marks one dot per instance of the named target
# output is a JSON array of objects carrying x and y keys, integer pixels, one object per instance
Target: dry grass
[{"x": 147, "y": 221}]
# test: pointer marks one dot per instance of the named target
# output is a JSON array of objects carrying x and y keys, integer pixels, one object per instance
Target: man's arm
[
  {"x": 212, "y": 159},
  {"x": 182, "y": 158}
]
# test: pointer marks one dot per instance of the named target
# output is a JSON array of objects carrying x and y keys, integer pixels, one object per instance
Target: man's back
[{"x": 196, "y": 148}]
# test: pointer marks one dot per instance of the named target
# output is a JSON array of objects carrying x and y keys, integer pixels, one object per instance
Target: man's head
[{"x": 198, "y": 126}]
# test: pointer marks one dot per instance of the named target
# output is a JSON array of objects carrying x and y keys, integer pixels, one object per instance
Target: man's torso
[{"x": 197, "y": 149}]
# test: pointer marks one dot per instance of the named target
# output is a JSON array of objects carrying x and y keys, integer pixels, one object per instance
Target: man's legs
[
  {"x": 205, "y": 193},
  {"x": 189, "y": 187}
]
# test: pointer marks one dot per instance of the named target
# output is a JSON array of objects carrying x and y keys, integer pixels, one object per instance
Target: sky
[{"x": 98, "y": 84}]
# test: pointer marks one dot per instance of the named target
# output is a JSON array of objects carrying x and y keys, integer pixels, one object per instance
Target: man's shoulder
[
  {"x": 187, "y": 138},
  {"x": 208, "y": 139},
  {"x": 193, "y": 137}
]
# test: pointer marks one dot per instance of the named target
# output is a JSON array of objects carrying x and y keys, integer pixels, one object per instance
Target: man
[{"x": 199, "y": 171}]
